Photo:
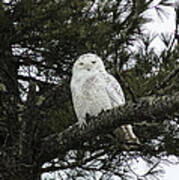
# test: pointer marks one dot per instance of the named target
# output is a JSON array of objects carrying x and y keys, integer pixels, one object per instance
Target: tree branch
[
  {"x": 164, "y": 82},
  {"x": 148, "y": 109}
]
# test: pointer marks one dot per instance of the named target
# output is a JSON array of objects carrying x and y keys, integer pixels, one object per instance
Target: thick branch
[{"x": 147, "y": 109}]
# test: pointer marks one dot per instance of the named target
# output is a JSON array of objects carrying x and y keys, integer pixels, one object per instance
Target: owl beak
[{"x": 88, "y": 68}]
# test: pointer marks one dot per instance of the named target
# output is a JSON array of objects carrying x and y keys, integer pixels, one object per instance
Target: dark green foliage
[{"x": 39, "y": 42}]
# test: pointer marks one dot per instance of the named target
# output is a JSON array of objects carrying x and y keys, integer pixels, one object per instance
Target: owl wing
[
  {"x": 114, "y": 90},
  {"x": 117, "y": 98}
]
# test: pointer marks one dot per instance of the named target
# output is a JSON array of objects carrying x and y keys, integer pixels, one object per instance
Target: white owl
[{"x": 94, "y": 90}]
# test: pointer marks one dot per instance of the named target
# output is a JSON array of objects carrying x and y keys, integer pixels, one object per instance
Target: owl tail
[{"x": 126, "y": 137}]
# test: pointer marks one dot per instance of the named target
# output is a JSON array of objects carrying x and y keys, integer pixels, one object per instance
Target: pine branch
[
  {"x": 148, "y": 109},
  {"x": 165, "y": 81}
]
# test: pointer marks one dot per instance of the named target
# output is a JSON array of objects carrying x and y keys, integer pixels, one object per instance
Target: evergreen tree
[{"x": 40, "y": 40}]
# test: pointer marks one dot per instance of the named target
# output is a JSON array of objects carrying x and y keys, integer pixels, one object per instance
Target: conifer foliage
[{"x": 40, "y": 40}]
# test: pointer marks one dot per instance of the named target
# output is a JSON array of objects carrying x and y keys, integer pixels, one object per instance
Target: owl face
[{"x": 88, "y": 63}]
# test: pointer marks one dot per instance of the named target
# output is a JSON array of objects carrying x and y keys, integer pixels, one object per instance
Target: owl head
[{"x": 88, "y": 63}]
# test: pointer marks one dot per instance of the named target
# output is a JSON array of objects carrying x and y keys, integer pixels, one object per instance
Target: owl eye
[
  {"x": 81, "y": 64},
  {"x": 93, "y": 62}
]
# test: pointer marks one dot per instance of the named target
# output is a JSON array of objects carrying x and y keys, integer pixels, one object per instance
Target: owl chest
[
  {"x": 93, "y": 96},
  {"x": 92, "y": 87}
]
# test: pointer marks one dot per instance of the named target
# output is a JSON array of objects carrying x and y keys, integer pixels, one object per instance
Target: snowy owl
[{"x": 95, "y": 90}]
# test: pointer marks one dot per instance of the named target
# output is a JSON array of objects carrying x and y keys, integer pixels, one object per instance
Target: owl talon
[{"x": 82, "y": 125}]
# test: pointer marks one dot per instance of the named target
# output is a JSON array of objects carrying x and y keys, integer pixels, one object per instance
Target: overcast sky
[{"x": 166, "y": 25}]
